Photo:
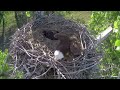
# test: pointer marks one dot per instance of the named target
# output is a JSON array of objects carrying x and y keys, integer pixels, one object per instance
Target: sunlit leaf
[
  {"x": 115, "y": 30},
  {"x": 28, "y": 13},
  {"x": 118, "y": 48},
  {"x": 116, "y": 24},
  {"x": 117, "y": 43}
]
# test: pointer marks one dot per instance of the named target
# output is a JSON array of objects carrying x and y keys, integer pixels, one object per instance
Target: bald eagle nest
[{"x": 32, "y": 49}]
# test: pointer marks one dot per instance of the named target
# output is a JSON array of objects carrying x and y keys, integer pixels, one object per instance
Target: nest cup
[{"x": 32, "y": 47}]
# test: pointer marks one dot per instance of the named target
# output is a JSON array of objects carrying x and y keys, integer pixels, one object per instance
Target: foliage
[
  {"x": 100, "y": 20},
  {"x": 3, "y": 65},
  {"x": 77, "y": 16},
  {"x": 28, "y": 14},
  {"x": 8, "y": 15},
  {"x": 5, "y": 69},
  {"x": 1, "y": 16}
]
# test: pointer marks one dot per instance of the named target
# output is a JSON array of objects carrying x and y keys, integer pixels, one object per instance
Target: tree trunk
[
  {"x": 21, "y": 18},
  {"x": 37, "y": 14},
  {"x": 17, "y": 20},
  {"x": 3, "y": 35}
]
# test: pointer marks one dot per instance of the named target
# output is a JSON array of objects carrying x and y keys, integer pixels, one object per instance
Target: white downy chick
[{"x": 58, "y": 55}]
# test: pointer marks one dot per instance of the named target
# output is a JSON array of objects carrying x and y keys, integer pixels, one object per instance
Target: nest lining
[{"x": 32, "y": 47}]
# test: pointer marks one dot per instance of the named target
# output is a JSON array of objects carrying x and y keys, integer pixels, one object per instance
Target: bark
[
  {"x": 3, "y": 35},
  {"x": 21, "y": 18}
]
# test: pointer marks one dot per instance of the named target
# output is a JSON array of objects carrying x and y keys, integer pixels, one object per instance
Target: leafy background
[{"x": 96, "y": 21}]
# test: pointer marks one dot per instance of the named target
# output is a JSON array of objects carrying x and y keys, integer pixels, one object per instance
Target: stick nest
[{"x": 32, "y": 47}]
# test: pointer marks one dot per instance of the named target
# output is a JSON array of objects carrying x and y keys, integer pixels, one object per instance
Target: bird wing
[{"x": 75, "y": 47}]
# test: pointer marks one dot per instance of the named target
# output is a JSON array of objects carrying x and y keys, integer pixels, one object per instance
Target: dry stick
[
  {"x": 21, "y": 63},
  {"x": 46, "y": 63},
  {"x": 32, "y": 54},
  {"x": 37, "y": 59},
  {"x": 103, "y": 35},
  {"x": 24, "y": 50},
  {"x": 43, "y": 73},
  {"x": 28, "y": 55},
  {"x": 15, "y": 65},
  {"x": 58, "y": 71},
  {"x": 80, "y": 34},
  {"x": 77, "y": 58},
  {"x": 28, "y": 73},
  {"x": 88, "y": 67},
  {"x": 82, "y": 69},
  {"x": 36, "y": 64},
  {"x": 59, "y": 63},
  {"x": 64, "y": 67},
  {"x": 74, "y": 67},
  {"x": 90, "y": 40},
  {"x": 91, "y": 59},
  {"x": 35, "y": 55},
  {"x": 29, "y": 42},
  {"x": 84, "y": 42},
  {"x": 33, "y": 70},
  {"x": 24, "y": 29}
]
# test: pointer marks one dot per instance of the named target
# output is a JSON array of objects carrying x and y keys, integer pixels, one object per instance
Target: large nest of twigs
[{"x": 32, "y": 49}]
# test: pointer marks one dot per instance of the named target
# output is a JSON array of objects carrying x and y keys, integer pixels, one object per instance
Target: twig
[
  {"x": 42, "y": 73},
  {"x": 63, "y": 67},
  {"x": 28, "y": 73},
  {"x": 82, "y": 69},
  {"x": 15, "y": 67},
  {"x": 59, "y": 73},
  {"x": 103, "y": 35}
]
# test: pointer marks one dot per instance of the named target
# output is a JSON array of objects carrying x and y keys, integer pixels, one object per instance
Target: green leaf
[
  {"x": 28, "y": 13},
  {"x": 118, "y": 48},
  {"x": 116, "y": 24},
  {"x": 117, "y": 43},
  {"x": 115, "y": 30}
]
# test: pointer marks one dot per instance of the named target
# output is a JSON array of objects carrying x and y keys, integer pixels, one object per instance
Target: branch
[{"x": 103, "y": 35}]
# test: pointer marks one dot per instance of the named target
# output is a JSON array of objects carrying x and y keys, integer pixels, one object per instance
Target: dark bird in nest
[
  {"x": 50, "y": 34},
  {"x": 67, "y": 47}
]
